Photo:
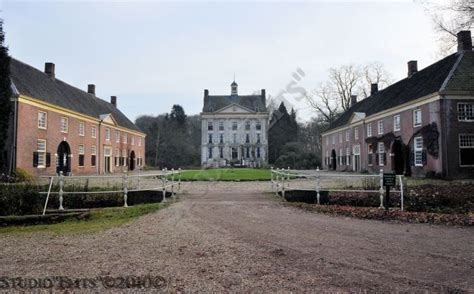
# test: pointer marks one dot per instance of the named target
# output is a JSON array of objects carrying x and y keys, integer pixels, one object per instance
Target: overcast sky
[{"x": 155, "y": 54}]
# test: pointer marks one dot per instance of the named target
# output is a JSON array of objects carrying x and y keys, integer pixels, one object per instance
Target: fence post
[
  {"x": 172, "y": 182},
  {"x": 288, "y": 177},
  {"x": 164, "y": 185},
  {"x": 271, "y": 177},
  {"x": 179, "y": 180},
  {"x": 381, "y": 188},
  {"x": 318, "y": 186},
  {"x": 400, "y": 177},
  {"x": 276, "y": 181},
  {"x": 125, "y": 189},
  {"x": 283, "y": 183},
  {"x": 61, "y": 192}
]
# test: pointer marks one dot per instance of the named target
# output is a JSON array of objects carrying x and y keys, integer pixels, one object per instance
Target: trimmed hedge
[{"x": 42, "y": 219}]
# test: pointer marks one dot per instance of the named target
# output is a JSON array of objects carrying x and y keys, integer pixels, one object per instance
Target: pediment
[
  {"x": 234, "y": 108},
  {"x": 357, "y": 116},
  {"x": 108, "y": 119}
]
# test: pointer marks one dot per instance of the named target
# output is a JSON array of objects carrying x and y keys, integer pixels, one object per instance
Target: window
[
  {"x": 234, "y": 126},
  {"x": 340, "y": 137},
  {"x": 466, "y": 111},
  {"x": 396, "y": 123},
  {"x": 42, "y": 120},
  {"x": 247, "y": 138},
  {"x": 341, "y": 157},
  {"x": 258, "y": 126},
  {"x": 221, "y": 138},
  {"x": 247, "y": 126},
  {"x": 140, "y": 142},
  {"x": 381, "y": 153},
  {"x": 210, "y": 138},
  {"x": 64, "y": 125},
  {"x": 107, "y": 134},
  {"x": 81, "y": 155},
  {"x": 418, "y": 151},
  {"x": 41, "y": 153},
  {"x": 417, "y": 117},
  {"x": 133, "y": 140},
  {"x": 221, "y": 152},
  {"x": 93, "y": 155},
  {"x": 258, "y": 138},
  {"x": 81, "y": 129},
  {"x": 125, "y": 138},
  {"x": 369, "y": 130},
  {"x": 370, "y": 151},
  {"x": 117, "y": 157},
  {"x": 124, "y": 157},
  {"x": 348, "y": 156},
  {"x": 356, "y": 133},
  {"x": 333, "y": 139},
  {"x": 258, "y": 152},
  {"x": 210, "y": 126},
  {"x": 221, "y": 126},
  {"x": 117, "y": 137},
  {"x": 380, "y": 127},
  {"x": 466, "y": 149},
  {"x": 94, "y": 132},
  {"x": 247, "y": 152},
  {"x": 234, "y": 138},
  {"x": 347, "y": 135},
  {"x": 209, "y": 154}
]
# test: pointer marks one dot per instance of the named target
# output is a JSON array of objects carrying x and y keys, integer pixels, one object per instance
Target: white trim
[
  {"x": 399, "y": 123},
  {"x": 457, "y": 110},
  {"x": 45, "y": 120},
  {"x": 459, "y": 149},
  {"x": 451, "y": 72}
]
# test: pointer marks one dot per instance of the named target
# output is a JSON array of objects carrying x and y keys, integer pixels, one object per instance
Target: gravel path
[{"x": 249, "y": 241}]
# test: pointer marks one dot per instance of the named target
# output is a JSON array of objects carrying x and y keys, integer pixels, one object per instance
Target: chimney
[
  {"x": 113, "y": 100},
  {"x": 412, "y": 67},
  {"x": 206, "y": 93},
  {"x": 353, "y": 99},
  {"x": 91, "y": 89},
  {"x": 374, "y": 88},
  {"x": 49, "y": 69},
  {"x": 264, "y": 96},
  {"x": 464, "y": 41}
]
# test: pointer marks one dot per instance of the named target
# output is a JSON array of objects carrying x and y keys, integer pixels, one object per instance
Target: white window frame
[
  {"x": 370, "y": 152},
  {"x": 396, "y": 123},
  {"x": 117, "y": 136},
  {"x": 380, "y": 127},
  {"x": 221, "y": 126},
  {"x": 82, "y": 129},
  {"x": 64, "y": 124},
  {"x": 94, "y": 132},
  {"x": 81, "y": 151},
  {"x": 40, "y": 120},
  {"x": 466, "y": 146},
  {"x": 117, "y": 155},
  {"x": 466, "y": 117},
  {"x": 415, "y": 122},
  {"x": 41, "y": 153},
  {"x": 107, "y": 134},
  {"x": 139, "y": 142},
  {"x": 356, "y": 133},
  {"x": 133, "y": 141},
  {"x": 348, "y": 155},
  {"x": 94, "y": 153},
  {"x": 418, "y": 151},
  {"x": 340, "y": 156},
  {"x": 125, "y": 138},
  {"x": 333, "y": 139},
  {"x": 348, "y": 135},
  {"x": 380, "y": 148},
  {"x": 369, "y": 130}
]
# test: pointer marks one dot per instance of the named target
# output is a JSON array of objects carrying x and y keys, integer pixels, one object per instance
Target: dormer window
[{"x": 210, "y": 127}]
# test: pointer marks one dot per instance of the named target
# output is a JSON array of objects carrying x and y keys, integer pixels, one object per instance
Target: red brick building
[
  {"x": 422, "y": 125},
  {"x": 57, "y": 127}
]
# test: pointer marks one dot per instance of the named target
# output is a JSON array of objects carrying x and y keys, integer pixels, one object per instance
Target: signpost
[{"x": 389, "y": 180}]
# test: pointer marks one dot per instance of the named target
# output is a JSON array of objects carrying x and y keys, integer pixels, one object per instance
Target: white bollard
[
  {"x": 125, "y": 189},
  {"x": 318, "y": 186},
  {"x": 381, "y": 188},
  {"x": 61, "y": 191}
]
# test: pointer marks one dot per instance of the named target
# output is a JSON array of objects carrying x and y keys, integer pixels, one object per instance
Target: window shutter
[
  {"x": 48, "y": 159},
  {"x": 411, "y": 158},
  {"x": 35, "y": 159},
  {"x": 385, "y": 158},
  {"x": 423, "y": 157},
  {"x": 376, "y": 159}
]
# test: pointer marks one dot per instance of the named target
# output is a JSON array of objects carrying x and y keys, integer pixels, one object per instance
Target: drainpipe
[
  {"x": 99, "y": 147},
  {"x": 13, "y": 152}
]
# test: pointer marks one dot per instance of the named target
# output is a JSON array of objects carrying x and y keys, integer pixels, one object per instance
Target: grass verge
[
  {"x": 100, "y": 219},
  {"x": 226, "y": 174}
]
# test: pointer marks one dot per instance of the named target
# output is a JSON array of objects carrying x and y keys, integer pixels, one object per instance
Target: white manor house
[{"x": 234, "y": 129}]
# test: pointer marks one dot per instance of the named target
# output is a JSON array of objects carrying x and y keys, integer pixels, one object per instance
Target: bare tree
[
  {"x": 373, "y": 73},
  {"x": 325, "y": 101},
  {"x": 449, "y": 19},
  {"x": 344, "y": 81}
]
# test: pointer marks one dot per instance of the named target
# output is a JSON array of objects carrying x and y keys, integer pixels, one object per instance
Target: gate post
[
  {"x": 381, "y": 188},
  {"x": 61, "y": 191},
  {"x": 288, "y": 177},
  {"x": 271, "y": 177},
  {"x": 172, "y": 182},
  {"x": 318, "y": 186},
  {"x": 179, "y": 180},
  {"x": 125, "y": 189},
  {"x": 163, "y": 181}
]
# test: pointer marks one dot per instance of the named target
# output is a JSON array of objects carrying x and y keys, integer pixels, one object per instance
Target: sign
[{"x": 389, "y": 179}]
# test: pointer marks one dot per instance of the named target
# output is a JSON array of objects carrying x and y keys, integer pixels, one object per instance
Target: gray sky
[{"x": 155, "y": 54}]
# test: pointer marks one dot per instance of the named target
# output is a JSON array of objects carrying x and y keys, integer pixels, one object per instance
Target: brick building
[
  {"x": 57, "y": 127},
  {"x": 234, "y": 129},
  {"x": 422, "y": 125}
]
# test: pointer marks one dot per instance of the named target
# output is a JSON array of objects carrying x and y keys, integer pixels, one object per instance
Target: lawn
[
  {"x": 226, "y": 174},
  {"x": 100, "y": 219}
]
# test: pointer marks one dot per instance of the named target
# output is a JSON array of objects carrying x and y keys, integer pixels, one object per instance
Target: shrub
[{"x": 23, "y": 175}]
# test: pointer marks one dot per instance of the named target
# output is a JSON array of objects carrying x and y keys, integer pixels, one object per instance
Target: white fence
[
  {"x": 125, "y": 183},
  {"x": 286, "y": 179}
]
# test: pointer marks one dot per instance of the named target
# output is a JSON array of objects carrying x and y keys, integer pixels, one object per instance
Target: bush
[{"x": 22, "y": 175}]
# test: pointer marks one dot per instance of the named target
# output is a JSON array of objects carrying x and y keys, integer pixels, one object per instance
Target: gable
[
  {"x": 356, "y": 116},
  {"x": 108, "y": 118},
  {"x": 234, "y": 108}
]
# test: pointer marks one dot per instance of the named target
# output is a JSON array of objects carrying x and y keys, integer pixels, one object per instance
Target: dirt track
[{"x": 252, "y": 242}]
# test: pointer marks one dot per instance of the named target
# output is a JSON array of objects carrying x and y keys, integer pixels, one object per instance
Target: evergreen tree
[
  {"x": 178, "y": 114},
  {"x": 5, "y": 94}
]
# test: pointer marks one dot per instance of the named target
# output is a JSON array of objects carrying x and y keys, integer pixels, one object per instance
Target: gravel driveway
[{"x": 249, "y": 241}]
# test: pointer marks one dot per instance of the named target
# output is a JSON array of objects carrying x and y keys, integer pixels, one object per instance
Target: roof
[
  {"x": 453, "y": 73},
  {"x": 252, "y": 102},
  {"x": 34, "y": 83}
]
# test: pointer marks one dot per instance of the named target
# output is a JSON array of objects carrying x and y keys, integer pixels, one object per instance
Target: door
[
  {"x": 333, "y": 159},
  {"x": 356, "y": 158},
  {"x": 107, "y": 160},
  {"x": 398, "y": 163},
  {"x": 63, "y": 160},
  {"x": 132, "y": 160}
]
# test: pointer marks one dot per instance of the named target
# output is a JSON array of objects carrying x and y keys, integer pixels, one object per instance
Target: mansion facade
[
  {"x": 422, "y": 125},
  {"x": 234, "y": 129},
  {"x": 56, "y": 127}
]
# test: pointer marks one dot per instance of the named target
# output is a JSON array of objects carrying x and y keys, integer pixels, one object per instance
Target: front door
[
  {"x": 107, "y": 160},
  {"x": 356, "y": 158},
  {"x": 63, "y": 160}
]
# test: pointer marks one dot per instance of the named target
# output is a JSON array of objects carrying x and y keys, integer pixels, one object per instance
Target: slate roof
[
  {"x": 34, "y": 83},
  {"x": 252, "y": 102},
  {"x": 453, "y": 73}
]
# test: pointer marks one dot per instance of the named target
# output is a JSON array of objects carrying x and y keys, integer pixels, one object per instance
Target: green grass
[
  {"x": 100, "y": 219},
  {"x": 226, "y": 174}
]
